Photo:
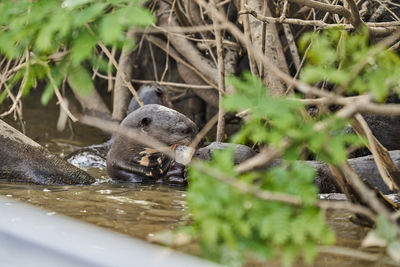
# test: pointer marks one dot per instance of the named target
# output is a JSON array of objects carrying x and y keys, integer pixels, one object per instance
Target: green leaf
[
  {"x": 45, "y": 37},
  {"x": 80, "y": 81},
  {"x": 3, "y": 96},
  {"x": 385, "y": 229},
  {"x": 394, "y": 250},
  {"x": 312, "y": 74},
  {"x": 111, "y": 30},
  {"x": 210, "y": 231},
  {"x": 47, "y": 94},
  {"x": 135, "y": 15},
  {"x": 29, "y": 79},
  {"x": 87, "y": 15},
  {"x": 289, "y": 255},
  {"x": 82, "y": 47},
  {"x": 7, "y": 46},
  {"x": 309, "y": 252}
]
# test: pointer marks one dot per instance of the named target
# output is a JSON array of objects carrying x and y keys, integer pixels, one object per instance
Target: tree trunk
[
  {"x": 122, "y": 96},
  {"x": 93, "y": 105},
  {"x": 272, "y": 46},
  {"x": 208, "y": 95}
]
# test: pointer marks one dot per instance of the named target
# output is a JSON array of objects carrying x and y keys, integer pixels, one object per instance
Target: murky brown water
[
  {"x": 126, "y": 208},
  {"x": 136, "y": 210}
]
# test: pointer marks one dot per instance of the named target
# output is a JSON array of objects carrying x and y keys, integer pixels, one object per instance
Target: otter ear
[
  {"x": 145, "y": 121},
  {"x": 159, "y": 91}
]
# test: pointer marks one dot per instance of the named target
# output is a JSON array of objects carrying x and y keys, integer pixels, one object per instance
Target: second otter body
[
  {"x": 128, "y": 160},
  {"x": 150, "y": 94}
]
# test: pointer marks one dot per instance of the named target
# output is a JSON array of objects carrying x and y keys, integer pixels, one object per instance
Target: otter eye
[
  {"x": 186, "y": 131},
  {"x": 145, "y": 121}
]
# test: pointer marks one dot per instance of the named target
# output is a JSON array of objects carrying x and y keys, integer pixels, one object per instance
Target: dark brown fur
[
  {"x": 130, "y": 161},
  {"x": 241, "y": 154},
  {"x": 150, "y": 94}
]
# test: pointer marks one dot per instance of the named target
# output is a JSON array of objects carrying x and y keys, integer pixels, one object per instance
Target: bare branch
[
  {"x": 335, "y": 9},
  {"x": 221, "y": 80},
  {"x": 120, "y": 72}
]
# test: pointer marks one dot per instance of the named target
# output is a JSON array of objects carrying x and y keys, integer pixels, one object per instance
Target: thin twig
[
  {"x": 335, "y": 9},
  {"x": 179, "y": 29},
  {"x": 109, "y": 71},
  {"x": 386, "y": 167},
  {"x": 174, "y": 84},
  {"x": 153, "y": 59},
  {"x": 124, "y": 77},
  {"x": 263, "y": 40},
  {"x": 14, "y": 99},
  {"x": 171, "y": 52},
  {"x": 355, "y": 18},
  {"x": 60, "y": 98},
  {"x": 221, "y": 80},
  {"x": 265, "y": 156},
  {"x": 247, "y": 33},
  {"x": 317, "y": 23},
  {"x": 204, "y": 131}
]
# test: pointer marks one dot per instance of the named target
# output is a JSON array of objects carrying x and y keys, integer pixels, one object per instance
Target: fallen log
[{"x": 24, "y": 160}]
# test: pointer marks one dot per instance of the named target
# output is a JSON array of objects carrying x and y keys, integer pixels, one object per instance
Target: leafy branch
[
  {"x": 59, "y": 39},
  {"x": 285, "y": 134}
]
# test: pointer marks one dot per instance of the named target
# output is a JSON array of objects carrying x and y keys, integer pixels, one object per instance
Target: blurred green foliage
[
  {"x": 58, "y": 38},
  {"x": 277, "y": 120},
  {"x": 349, "y": 62},
  {"x": 232, "y": 224},
  {"x": 388, "y": 232}
]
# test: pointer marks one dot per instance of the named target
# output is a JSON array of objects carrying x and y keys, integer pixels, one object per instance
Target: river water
[{"x": 136, "y": 210}]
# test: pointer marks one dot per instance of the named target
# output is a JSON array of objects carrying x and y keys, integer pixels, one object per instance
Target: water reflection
[
  {"x": 142, "y": 210},
  {"x": 136, "y": 210}
]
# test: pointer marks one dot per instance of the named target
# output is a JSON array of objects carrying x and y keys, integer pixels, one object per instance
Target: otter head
[
  {"x": 241, "y": 154},
  {"x": 150, "y": 94},
  {"x": 164, "y": 124}
]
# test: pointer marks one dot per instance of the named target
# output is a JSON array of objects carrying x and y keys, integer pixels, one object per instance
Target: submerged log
[{"x": 24, "y": 160}]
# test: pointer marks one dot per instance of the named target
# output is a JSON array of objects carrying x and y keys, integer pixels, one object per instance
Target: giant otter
[
  {"x": 128, "y": 160},
  {"x": 94, "y": 156},
  {"x": 242, "y": 153}
]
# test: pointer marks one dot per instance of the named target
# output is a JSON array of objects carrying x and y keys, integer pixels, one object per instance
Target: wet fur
[{"x": 130, "y": 161}]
